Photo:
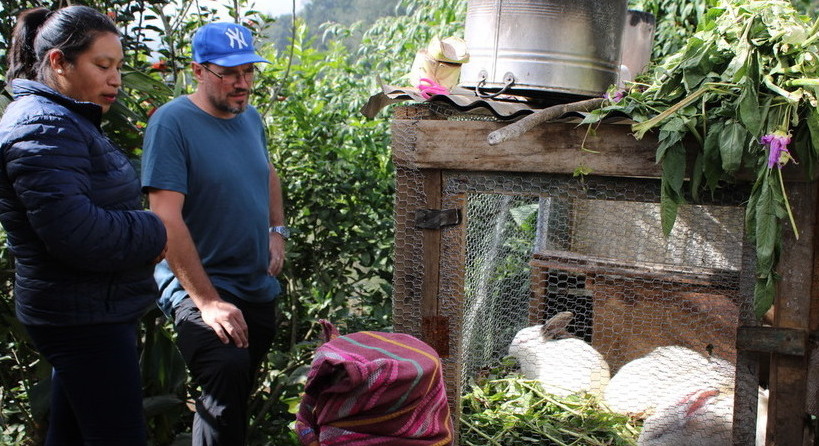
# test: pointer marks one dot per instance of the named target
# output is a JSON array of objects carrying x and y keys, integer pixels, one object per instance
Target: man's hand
[
  {"x": 223, "y": 317},
  {"x": 226, "y": 320},
  {"x": 276, "y": 246}
]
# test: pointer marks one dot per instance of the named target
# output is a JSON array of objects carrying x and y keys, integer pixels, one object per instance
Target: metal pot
[
  {"x": 638, "y": 42},
  {"x": 536, "y": 47}
]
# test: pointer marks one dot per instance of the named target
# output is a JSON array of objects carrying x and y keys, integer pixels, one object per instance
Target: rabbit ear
[
  {"x": 555, "y": 327},
  {"x": 694, "y": 402}
]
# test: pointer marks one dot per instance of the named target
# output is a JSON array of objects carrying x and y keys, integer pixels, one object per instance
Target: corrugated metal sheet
[{"x": 465, "y": 100}]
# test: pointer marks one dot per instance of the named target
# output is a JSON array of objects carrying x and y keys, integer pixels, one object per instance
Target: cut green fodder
[
  {"x": 514, "y": 411},
  {"x": 740, "y": 99}
]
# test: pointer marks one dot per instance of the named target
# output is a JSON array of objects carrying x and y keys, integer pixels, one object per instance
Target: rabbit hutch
[{"x": 491, "y": 239}]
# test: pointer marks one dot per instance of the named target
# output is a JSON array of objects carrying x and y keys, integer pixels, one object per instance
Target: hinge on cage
[{"x": 437, "y": 218}]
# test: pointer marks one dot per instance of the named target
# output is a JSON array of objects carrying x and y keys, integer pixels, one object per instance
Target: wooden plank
[
  {"x": 747, "y": 379},
  {"x": 436, "y": 330},
  {"x": 548, "y": 148},
  {"x": 431, "y": 242},
  {"x": 537, "y": 300},
  {"x": 788, "y": 375},
  {"x": 787, "y": 341},
  {"x": 406, "y": 277},
  {"x": 555, "y": 148},
  {"x": 812, "y": 403},
  {"x": 570, "y": 261},
  {"x": 451, "y": 299}
]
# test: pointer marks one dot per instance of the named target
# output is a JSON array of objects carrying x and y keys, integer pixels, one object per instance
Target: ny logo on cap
[{"x": 235, "y": 35}]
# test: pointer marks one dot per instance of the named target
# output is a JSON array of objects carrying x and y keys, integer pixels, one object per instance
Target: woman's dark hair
[{"x": 70, "y": 30}]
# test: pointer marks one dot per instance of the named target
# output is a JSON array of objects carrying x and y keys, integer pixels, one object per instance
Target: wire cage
[{"x": 492, "y": 240}]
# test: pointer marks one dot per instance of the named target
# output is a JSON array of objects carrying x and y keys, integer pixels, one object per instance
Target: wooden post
[
  {"x": 417, "y": 309},
  {"x": 786, "y": 410},
  {"x": 746, "y": 381},
  {"x": 451, "y": 300},
  {"x": 433, "y": 326}
]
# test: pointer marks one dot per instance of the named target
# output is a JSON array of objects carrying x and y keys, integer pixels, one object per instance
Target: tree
[{"x": 358, "y": 14}]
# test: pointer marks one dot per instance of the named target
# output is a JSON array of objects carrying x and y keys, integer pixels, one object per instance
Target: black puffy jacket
[{"x": 70, "y": 203}]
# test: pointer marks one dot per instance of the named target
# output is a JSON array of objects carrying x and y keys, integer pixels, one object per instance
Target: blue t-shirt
[{"x": 222, "y": 168}]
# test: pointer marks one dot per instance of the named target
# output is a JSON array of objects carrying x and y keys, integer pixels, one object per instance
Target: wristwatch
[{"x": 283, "y": 231}]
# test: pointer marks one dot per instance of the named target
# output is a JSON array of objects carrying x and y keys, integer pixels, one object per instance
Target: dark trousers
[
  {"x": 224, "y": 372},
  {"x": 96, "y": 390}
]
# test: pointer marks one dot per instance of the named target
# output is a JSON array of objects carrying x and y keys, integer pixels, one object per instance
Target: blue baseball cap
[{"x": 224, "y": 44}]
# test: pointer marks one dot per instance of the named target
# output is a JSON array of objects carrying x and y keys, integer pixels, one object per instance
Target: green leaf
[
  {"x": 813, "y": 126},
  {"x": 767, "y": 228},
  {"x": 697, "y": 176},
  {"x": 674, "y": 167},
  {"x": 803, "y": 150},
  {"x": 521, "y": 214},
  {"x": 712, "y": 160},
  {"x": 671, "y": 186},
  {"x": 642, "y": 127},
  {"x": 764, "y": 292},
  {"x": 732, "y": 142},
  {"x": 750, "y": 208},
  {"x": 737, "y": 68},
  {"x": 671, "y": 84},
  {"x": 753, "y": 74},
  {"x": 138, "y": 80},
  {"x": 668, "y": 209},
  {"x": 749, "y": 112},
  {"x": 695, "y": 51},
  {"x": 669, "y": 138}
]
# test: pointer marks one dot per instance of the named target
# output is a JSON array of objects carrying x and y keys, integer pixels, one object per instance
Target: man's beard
[{"x": 222, "y": 105}]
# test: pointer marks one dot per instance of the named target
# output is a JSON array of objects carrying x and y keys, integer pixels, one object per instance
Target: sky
[{"x": 278, "y": 7}]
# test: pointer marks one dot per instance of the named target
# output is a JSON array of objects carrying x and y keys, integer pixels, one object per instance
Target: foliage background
[{"x": 336, "y": 171}]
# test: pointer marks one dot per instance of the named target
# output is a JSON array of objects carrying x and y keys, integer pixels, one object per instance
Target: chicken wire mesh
[{"x": 644, "y": 321}]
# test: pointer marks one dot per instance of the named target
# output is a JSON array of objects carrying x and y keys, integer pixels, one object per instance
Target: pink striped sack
[{"x": 373, "y": 388}]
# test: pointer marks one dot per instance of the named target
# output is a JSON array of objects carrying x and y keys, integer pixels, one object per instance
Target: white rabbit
[
  {"x": 703, "y": 417},
  {"x": 640, "y": 385},
  {"x": 564, "y": 365}
]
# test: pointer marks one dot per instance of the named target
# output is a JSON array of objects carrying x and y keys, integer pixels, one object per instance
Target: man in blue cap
[{"x": 205, "y": 168}]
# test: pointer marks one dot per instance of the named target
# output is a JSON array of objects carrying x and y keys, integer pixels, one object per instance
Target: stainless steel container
[
  {"x": 637, "y": 44},
  {"x": 536, "y": 47}
]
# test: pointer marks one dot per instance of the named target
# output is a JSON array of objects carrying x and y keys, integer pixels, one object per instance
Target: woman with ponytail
[{"x": 71, "y": 206}]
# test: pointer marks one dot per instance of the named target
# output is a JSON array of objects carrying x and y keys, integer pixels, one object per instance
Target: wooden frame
[{"x": 559, "y": 148}]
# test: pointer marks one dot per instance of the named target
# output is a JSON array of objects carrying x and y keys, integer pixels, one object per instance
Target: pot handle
[{"x": 508, "y": 81}]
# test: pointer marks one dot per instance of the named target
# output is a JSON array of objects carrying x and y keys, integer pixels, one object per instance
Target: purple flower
[
  {"x": 777, "y": 143},
  {"x": 616, "y": 97}
]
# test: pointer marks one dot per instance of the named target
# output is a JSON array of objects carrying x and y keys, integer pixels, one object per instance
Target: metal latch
[{"x": 437, "y": 218}]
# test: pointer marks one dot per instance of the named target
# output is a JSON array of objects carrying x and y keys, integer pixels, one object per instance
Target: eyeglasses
[{"x": 233, "y": 76}]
